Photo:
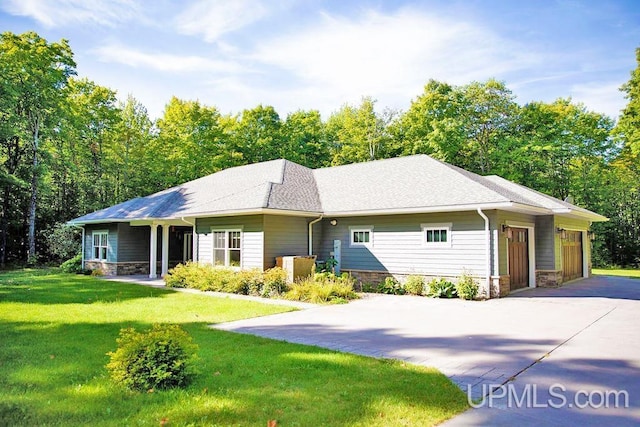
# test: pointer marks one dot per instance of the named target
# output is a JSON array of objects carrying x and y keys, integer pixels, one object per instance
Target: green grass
[
  {"x": 56, "y": 329},
  {"x": 633, "y": 273}
]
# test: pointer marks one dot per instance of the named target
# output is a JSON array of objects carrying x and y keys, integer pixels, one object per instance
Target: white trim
[
  {"x": 93, "y": 246},
  {"x": 227, "y": 251},
  {"x": 447, "y": 226},
  {"x": 531, "y": 247},
  {"x": 360, "y": 229}
]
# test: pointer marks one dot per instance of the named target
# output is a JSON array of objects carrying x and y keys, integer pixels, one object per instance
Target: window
[
  {"x": 361, "y": 236},
  {"x": 437, "y": 235},
  {"x": 227, "y": 247},
  {"x": 100, "y": 244}
]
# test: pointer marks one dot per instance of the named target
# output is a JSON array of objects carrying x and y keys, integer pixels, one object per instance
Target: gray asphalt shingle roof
[{"x": 410, "y": 183}]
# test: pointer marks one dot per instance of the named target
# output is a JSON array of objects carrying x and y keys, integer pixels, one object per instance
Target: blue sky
[{"x": 314, "y": 54}]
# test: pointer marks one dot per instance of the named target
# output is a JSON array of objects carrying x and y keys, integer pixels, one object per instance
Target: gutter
[
  {"x": 487, "y": 232},
  {"x": 311, "y": 233}
]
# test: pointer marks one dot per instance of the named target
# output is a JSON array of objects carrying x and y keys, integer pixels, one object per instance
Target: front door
[{"x": 519, "y": 258}]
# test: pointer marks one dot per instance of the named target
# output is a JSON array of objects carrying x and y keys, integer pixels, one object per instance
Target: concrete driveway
[{"x": 541, "y": 356}]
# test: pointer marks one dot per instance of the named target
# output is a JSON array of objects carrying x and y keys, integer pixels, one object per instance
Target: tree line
[{"x": 69, "y": 147}]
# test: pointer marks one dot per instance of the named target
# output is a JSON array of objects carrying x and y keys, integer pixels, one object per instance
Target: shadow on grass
[
  {"x": 51, "y": 287},
  {"x": 54, "y": 374}
]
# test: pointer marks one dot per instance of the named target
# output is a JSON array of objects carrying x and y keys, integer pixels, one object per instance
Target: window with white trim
[
  {"x": 436, "y": 235},
  {"x": 361, "y": 236},
  {"x": 100, "y": 244},
  {"x": 227, "y": 248}
]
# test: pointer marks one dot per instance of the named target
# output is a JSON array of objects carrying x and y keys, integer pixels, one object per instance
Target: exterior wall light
[{"x": 333, "y": 222}]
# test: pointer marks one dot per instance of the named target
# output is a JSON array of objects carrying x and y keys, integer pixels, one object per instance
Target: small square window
[
  {"x": 361, "y": 236},
  {"x": 436, "y": 235}
]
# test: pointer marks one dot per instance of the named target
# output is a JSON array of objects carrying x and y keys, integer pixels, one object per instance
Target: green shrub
[
  {"x": 160, "y": 358},
  {"x": 368, "y": 287},
  {"x": 73, "y": 265},
  {"x": 63, "y": 241},
  {"x": 442, "y": 288},
  {"x": 323, "y": 288},
  {"x": 275, "y": 282},
  {"x": 414, "y": 285},
  {"x": 390, "y": 286},
  {"x": 467, "y": 288}
]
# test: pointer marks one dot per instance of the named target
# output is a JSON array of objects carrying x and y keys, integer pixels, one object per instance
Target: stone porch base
[
  {"x": 549, "y": 278},
  {"x": 124, "y": 268}
]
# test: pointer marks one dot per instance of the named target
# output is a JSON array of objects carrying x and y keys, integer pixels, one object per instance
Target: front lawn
[
  {"x": 633, "y": 273},
  {"x": 55, "y": 331}
]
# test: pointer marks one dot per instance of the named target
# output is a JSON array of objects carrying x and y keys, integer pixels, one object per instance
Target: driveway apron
[{"x": 583, "y": 336}]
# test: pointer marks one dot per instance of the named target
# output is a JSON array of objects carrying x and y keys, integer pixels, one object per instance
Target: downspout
[
  {"x": 487, "y": 232},
  {"x": 311, "y": 234}
]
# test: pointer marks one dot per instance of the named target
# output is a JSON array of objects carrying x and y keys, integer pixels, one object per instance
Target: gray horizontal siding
[
  {"x": 112, "y": 244},
  {"x": 545, "y": 248},
  {"x": 133, "y": 243},
  {"x": 398, "y": 248},
  {"x": 252, "y": 238},
  {"x": 283, "y": 236}
]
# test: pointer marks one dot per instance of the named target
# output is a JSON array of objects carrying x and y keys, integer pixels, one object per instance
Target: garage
[{"x": 571, "y": 255}]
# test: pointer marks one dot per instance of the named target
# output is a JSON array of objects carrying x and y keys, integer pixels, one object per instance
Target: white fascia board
[
  {"x": 590, "y": 216},
  {"x": 260, "y": 211},
  {"x": 96, "y": 221}
]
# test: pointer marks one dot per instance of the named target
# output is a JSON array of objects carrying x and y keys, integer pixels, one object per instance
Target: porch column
[
  {"x": 194, "y": 241},
  {"x": 165, "y": 249},
  {"x": 153, "y": 251}
]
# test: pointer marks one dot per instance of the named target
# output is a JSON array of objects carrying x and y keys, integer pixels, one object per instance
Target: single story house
[{"x": 400, "y": 216}]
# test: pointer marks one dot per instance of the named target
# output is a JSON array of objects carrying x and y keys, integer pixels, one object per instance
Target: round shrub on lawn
[{"x": 160, "y": 358}]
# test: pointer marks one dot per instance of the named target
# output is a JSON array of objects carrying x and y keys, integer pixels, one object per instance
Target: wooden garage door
[
  {"x": 571, "y": 255},
  {"x": 519, "y": 258}
]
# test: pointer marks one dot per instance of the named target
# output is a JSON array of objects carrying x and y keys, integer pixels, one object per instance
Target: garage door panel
[
  {"x": 519, "y": 258},
  {"x": 572, "y": 255}
]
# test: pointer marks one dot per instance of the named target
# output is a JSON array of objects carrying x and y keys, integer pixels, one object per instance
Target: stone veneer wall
[
  {"x": 107, "y": 268},
  {"x": 375, "y": 277},
  {"x": 548, "y": 278},
  {"x": 500, "y": 286},
  {"x": 124, "y": 268}
]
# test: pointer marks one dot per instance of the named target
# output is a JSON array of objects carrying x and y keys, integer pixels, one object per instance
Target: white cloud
[
  {"x": 600, "y": 97},
  {"x": 212, "y": 19},
  {"x": 391, "y": 57},
  {"x": 57, "y": 13},
  {"x": 164, "y": 61}
]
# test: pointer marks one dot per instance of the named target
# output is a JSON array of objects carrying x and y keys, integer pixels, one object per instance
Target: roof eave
[
  {"x": 575, "y": 213},
  {"x": 444, "y": 208}
]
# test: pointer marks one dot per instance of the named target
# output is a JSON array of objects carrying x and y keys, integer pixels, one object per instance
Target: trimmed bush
[
  {"x": 414, "y": 285},
  {"x": 160, "y": 358},
  {"x": 73, "y": 265},
  {"x": 323, "y": 288},
  {"x": 275, "y": 282},
  {"x": 442, "y": 288},
  {"x": 467, "y": 287},
  {"x": 390, "y": 286}
]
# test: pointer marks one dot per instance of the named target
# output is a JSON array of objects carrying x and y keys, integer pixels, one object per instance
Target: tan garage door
[{"x": 572, "y": 255}]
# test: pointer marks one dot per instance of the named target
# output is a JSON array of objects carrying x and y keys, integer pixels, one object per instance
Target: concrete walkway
[{"x": 584, "y": 337}]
